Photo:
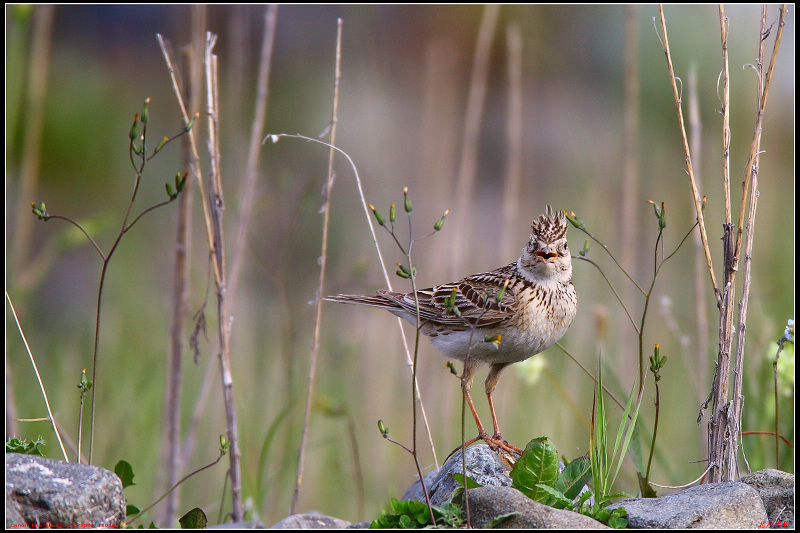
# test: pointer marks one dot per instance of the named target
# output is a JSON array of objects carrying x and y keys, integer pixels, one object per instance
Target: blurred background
[{"x": 538, "y": 118}]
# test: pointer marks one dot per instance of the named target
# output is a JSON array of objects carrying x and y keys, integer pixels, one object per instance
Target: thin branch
[
  {"x": 256, "y": 134},
  {"x": 312, "y": 367},
  {"x": 39, "y": 378},
  {"x": 274, "y": 138},
  {"x": 690, "y": 169}
]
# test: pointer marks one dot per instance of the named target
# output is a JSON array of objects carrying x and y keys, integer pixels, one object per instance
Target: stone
[
  {"x": 47, "y": 492},
  {"x": 731, "y": 505},
  {"x": 488, "y": 503},
  {"x": 311, "y": 520},
  {"x": 483, "y": 465},
  {"x": 776, "y": 489}
]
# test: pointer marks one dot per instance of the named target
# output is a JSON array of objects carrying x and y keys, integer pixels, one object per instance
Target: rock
[
  {"x": 42, "y": 491},
  {"x": 731, "y": 505},
  {"x": 776, "y": 489},
  {"x": 311, "y": 520},
  {"x": 488, "y": 503},
  {"x": 483, "y": 465}
]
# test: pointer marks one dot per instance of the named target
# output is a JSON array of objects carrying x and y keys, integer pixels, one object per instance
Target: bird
[{"x": 500, "y": 317}]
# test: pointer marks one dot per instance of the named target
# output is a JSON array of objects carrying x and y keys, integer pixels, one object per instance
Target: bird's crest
[{"x": 551, "y": 226}]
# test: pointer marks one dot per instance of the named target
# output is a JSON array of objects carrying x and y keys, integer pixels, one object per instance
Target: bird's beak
[{"x": 546, "y": 254}]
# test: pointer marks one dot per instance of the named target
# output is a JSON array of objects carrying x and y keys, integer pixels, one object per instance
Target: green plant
[
  {"x": 659, "y": 260},
  {"x": 538, "y": 475},
  {"x": 139, "y": 157},
  {"x": 409, "y": 271},
  {"x": 414, "y": 514},
  {"x": 15, "y": 445}
]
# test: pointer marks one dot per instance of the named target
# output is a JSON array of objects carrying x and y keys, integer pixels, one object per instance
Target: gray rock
[
  {"x": 42, "y": 491},
  {"x": 311, "y": 520},
  {"x": 483, "y": 465},
  {"x": 776, "y": 489},
  {"x": 488, "y": 503},
  {"x": 731, "y": 505}
]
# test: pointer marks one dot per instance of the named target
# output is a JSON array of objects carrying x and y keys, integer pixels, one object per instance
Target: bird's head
[{"x": 547, "y": 255}]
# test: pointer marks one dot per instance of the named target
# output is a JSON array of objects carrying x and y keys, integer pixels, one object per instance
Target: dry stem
[{"x": 312, "y": 367}]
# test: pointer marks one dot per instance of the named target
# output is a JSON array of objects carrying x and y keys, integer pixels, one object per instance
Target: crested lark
[{"x": 534, "y": 312}]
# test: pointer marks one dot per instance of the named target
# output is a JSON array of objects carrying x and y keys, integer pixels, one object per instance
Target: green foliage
[
  {"x": 194, "y": 519},
  {"x": 124, "y": 471},
  {"x": 16, "y": 445},
  {"x": 602, "y": 456},
  {"x": 414, "y": 514},
  {"x": 536, "y": 474},
  {"x": 467, "y": 483},
  {"x": 537, "y": 467},
  {"x": 612, "y": 518}
]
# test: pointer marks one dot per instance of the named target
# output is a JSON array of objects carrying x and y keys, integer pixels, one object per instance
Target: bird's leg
[
  {"x": 467, "y": 376},
  {"x": 495, "y": 442},
  {"x": 491, "y": 383}
]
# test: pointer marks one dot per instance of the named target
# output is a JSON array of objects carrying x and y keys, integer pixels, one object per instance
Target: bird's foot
[{"x": 496, "y": 442}]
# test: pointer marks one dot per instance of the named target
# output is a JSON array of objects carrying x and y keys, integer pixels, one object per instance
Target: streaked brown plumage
[{"x": 536, "y": 309}]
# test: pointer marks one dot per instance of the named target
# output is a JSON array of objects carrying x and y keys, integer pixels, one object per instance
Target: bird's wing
[{"x": 475, "y": 299}]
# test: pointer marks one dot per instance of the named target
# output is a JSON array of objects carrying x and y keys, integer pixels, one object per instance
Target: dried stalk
[
  {"x": 472, "y": 128},
  {"x": 217, "y": 201},
  {"x": 173, "y": 458},
  {"x": 724, "y": 424},
  {"x": 312, "y": 367},
  {"x": 256, "y": 135}
]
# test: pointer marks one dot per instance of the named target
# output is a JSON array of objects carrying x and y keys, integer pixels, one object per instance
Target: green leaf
[
  {"x": 497, "y": 522},
  {"x": 124, "y": 470},
  {"x": 645, "y": 488},
  {"x": 538, "y": 465},
  {"x": 194, "y": 519},
  {"x": 574, "y": 477},
  {"x": 559, "y": 501},
  {"x": 131, "y": 510},
  {"x": 471, "y": 483},
  {"x": 16, "y": 445}
]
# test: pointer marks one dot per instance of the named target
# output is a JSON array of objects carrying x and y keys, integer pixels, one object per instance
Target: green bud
[
  {"x": 407, "y": 200},
  {"x": 134, "y": 128},
  {"x": 84, "y": 385},
  {"x": 160, "y": 145},
  {"x": 146, "y": 111},
  {"x": 574, "y": 220},
  {"x": 452, "y": 368},
  {"x": 450, "y": 303},
  {"x": 440, "y": 222},
  {"x": 224, "y": 444},
  {"x": 383, "y": 429},
  {"x": 170, "y": 192},
  {"x": 402, "y": 274},
  {"x": 585, "y": 251},
  {"x": 392, "y": 213},
  {"x": 494, "y": 339},
  {"x": 451, "y": 300},
  {"x": 660, "y": 214},
  {"x": 499, "y": 296},
  {"x": 381, "y": 220},
  {"x": 180, "y": 181},
  {"x": 39, "y": 210},
  {"x": 188, "y": 126}
]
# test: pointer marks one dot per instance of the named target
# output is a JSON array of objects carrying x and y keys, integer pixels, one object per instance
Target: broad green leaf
[
  {"x": 124, "y": 470},
  {"x": 538, "y": 465},
  {"x": 470, "y": 484},
  {"x": 574, "y": 477},
  {"x": 194, "y": 519}
]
